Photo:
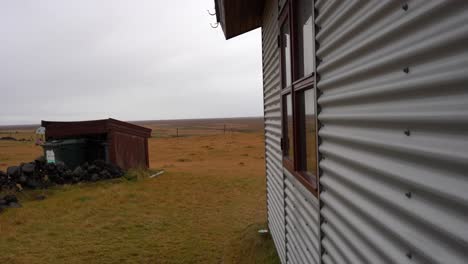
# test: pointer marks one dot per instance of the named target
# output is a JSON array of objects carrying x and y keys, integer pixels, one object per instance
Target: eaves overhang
[{"x": 238, "y": 16}]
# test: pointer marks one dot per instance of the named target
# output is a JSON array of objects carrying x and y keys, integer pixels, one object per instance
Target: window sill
[{"x": 301, "y": 177}]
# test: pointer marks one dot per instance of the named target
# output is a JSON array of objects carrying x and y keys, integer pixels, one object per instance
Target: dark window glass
[
  {"x": 289, "y": 120},
  {"x": 298, "y": 115},
  {"x": 308, "y": 130},
  {"x": 305, "y": 41},
  {"x": 286, "y": 53},
  {"x": 311, "y": 130}
]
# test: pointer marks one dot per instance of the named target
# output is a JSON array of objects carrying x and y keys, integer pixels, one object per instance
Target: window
[
  {"x": 305, "y": 40},
  {"x": 289, "y": 150},
  {"x": 298, "y": 96},
  {"x": 286, "y": 53}
]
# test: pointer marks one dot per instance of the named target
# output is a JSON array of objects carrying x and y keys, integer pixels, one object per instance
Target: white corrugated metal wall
[
  {"x": 394, "y": 78},
  {"x": 292, "y": 210},
  {"x": 273, "y": 156},
  {"x": 302, "y": 223}
]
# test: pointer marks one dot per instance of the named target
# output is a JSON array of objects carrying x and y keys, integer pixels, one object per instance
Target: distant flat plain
[{"x": 205, "y": 208}]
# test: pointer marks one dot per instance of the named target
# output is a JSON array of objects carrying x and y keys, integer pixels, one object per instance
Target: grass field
[{"x": 205, "y": 208}]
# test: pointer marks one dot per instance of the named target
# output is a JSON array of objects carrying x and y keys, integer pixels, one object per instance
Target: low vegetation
[{"x": 205, "y": 208}]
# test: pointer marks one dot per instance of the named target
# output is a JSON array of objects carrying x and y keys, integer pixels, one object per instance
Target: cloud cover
[{"x": 130, "y": 60}]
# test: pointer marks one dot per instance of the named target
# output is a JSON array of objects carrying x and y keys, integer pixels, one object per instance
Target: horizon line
[{"x": 131, "y": 121}]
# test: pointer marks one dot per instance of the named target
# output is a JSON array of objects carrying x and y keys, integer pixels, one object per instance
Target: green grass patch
[
  {"x": 249, "y": 246},
  {"x": 173, "y": 218},
  {"x": 138, "y": 174}
]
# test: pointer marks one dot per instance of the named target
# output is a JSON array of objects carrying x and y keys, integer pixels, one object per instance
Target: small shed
[{"x": 120, "y": 143}]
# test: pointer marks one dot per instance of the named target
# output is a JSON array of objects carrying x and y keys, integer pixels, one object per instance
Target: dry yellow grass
[
  {"x": 14, "y": 152},
  {"x": 206, "y": 208}
]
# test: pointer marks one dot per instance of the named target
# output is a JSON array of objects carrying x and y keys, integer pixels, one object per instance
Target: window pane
[
  {"x": 286, "y": 54},
  {"x": 305, "y": 40},
  {"x": 289, "y": 127},
  {"x": 308, "y": 131}
]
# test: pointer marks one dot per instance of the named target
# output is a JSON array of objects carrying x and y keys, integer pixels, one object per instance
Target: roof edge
[
  {"x": 238, "y": 16},
  {"x": 81, "y": 126}
]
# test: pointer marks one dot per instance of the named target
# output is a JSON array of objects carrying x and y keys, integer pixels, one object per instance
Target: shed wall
[
  {"x": 271, "y": 95},
  {"x": 395, "y": 131},
  {"x": 128, "y": 151}
]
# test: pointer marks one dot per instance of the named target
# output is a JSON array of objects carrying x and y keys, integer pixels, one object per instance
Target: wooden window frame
[{"x": 296, "y": 166}]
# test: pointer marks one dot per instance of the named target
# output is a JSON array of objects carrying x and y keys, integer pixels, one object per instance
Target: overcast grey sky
[{"x": 126, "y": 59}]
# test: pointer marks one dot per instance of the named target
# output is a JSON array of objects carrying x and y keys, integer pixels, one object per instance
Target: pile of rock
[
  {"x": 8, "y": 138},
  {"x": 13, "y": 139},
  {"x": 9, "y": 201},
  {"x": 40, "y": 174}
]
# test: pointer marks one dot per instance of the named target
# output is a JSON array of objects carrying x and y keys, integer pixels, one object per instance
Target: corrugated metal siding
[
  {"x": 271, "y": 93},
  {"x": 395, "y": 131},
  {"x": 129, "y": 151},
  {"x": 302, "y": 222}
]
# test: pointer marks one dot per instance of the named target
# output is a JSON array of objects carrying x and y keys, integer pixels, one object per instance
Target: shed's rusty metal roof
[{"x": 63, "y": 129}]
